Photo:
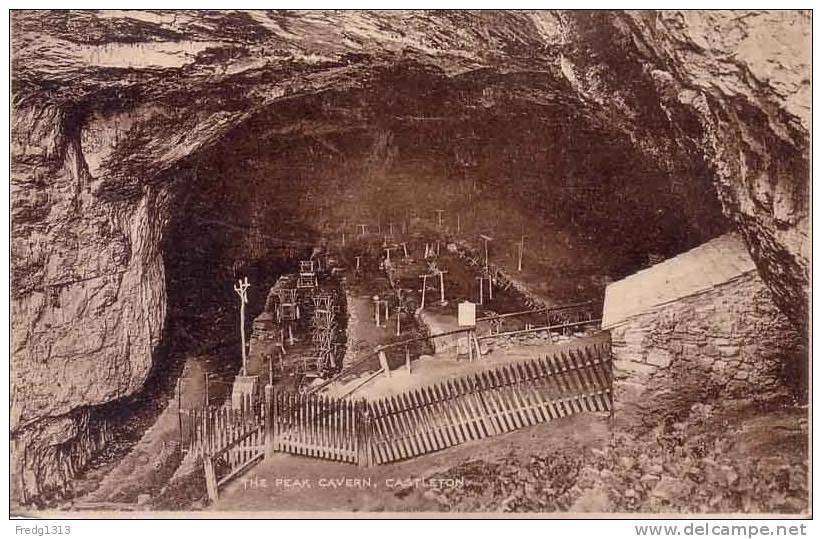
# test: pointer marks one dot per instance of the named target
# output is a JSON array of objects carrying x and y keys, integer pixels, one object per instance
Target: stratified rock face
[
  {"x": 113, "y": 111},
  {"x": 746, "y": 75}
]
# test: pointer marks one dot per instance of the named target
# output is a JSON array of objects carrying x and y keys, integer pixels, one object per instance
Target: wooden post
[
  {"x": 458, "y": 222},
  {"x": 486, "y": 239},
  {"x": 521, "y": 249},
  {"x": 399, "y": 310},
  {"x": 424, "y": 282},
  {"x": 439, "y": 217},
  {"x": 343, "y": 239},
  {"x": 442, "y": 287},
  {"x": 405, "y": 249},
  {"x": 361, "y": 437},
  {"x": 242, "y": 290},
  {"x": 407, "y": 360},
  {"x": 388, "y": 253},
  {"x": 363, "y": 227},
  {"x": 205, "y": 377},
  {"x": 376, "y": 310},
  {"x": 490, "y": 288},
  {"x": 358, "y": 261},
  {"x": 270, "y": 422},
  {"x": 211, "y": 479},
  {"x": 384, "y": 363},
  {"x": 481, "y": 286}
]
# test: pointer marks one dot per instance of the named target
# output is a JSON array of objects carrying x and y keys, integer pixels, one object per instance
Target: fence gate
[
  {"x": 229, "y": 440},
  {"x": 317, "y": 426}
]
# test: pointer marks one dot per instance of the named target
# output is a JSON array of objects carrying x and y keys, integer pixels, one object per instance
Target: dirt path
[{"x": 154, "y": 459}]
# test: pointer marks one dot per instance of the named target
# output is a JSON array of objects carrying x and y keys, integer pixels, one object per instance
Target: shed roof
[{"x": 718, "y": 261}]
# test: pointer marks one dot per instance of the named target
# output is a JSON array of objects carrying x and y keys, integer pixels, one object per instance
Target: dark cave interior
[{"x": 410, "y": 143}]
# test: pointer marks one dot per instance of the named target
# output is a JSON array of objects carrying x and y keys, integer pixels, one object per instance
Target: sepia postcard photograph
[{"x": 363, "y": 263}]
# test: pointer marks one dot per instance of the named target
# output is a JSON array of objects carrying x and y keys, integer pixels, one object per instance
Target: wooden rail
[
  {"x": 588, "y": 303},
  {"x": 539, "y": 328}
]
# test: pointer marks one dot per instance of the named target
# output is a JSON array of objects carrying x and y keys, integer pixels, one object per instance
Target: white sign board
[{"x": 467, "y": 314}]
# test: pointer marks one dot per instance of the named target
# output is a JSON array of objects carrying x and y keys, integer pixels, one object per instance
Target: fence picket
[
  {"x": 380, "y": 450},
  {"x": 574, "y": 382},
  {"x": 458, "y": 404},
  {"x": 431, "y": 417},
  {"x": 487, "y": 421},
  {"x": 457, "y": 426},
  {"x": 476, "y": 407},
  {"x": 413, "y": 428},
  {"x": 413, "y": 422},
  {"x": 497, "y": 413},
  {"x": 586, "y": 370},
  {"x": 556, "y": 391},
  {"x": 524, "y": 404},
  {"x": 544, "y": 406},
  {"x": 485, "y": 395},
  {"x": 502, "y": 394},
  {"x": 448, "y": 424},
  {"x": 427, "y": 420},
  {"x": 518, "y": 403},
  {"x": 532, "y": 406},
  {"x": 419, "y": 421},
  {"x": 392, "y": 443},
  {"x": 402, "y": 436}
]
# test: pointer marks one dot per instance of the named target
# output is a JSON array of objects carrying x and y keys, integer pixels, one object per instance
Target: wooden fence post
[
  {"x": 270, "y": 421},
  {"x": 359, "y": 441},
  {"x": 370, "y": 435},
  {"x": 210, "y": 478}
]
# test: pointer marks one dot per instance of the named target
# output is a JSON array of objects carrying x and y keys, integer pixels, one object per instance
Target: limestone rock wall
[
  {"x": 88, "y": 299},
  {"x": 728, "y": 342}
]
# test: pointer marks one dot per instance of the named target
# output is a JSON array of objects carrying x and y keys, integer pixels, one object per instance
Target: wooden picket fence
[
  {"x": 488, "y": 403},
  {"x": 441, "y": 415},
  {"x": 229, "y": 440},
  {"x": 317, "y": 426},
  {"x": 422, "y": 420},
  {"x": 206, "y": 431}
]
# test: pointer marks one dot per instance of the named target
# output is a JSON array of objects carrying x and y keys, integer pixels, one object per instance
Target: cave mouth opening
[{"x": 509, "y": 154}]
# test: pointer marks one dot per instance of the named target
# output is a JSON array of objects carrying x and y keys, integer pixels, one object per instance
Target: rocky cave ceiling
[{"x": 128, "y": 125}]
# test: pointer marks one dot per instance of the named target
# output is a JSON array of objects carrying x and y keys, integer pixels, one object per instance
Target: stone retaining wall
[{"x": 728, "y": 342}]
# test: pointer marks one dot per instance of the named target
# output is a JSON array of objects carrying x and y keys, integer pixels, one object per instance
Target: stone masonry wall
[{"x": 729, "y": 342}]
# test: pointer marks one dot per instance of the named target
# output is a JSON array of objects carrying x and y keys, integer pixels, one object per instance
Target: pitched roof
[{"x": 702, "y": 268}]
